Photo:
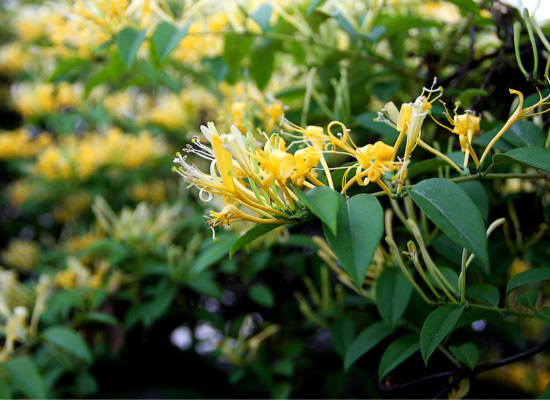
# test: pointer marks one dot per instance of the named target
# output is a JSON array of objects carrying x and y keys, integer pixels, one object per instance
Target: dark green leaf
[
  {"x": 283, "y": 367},
  {"x": 5, "y": 390},
  {"x": 476, "y": 191},
  {"x": 452, "y": 211},
  {"x": 366, "y": 340},
  {"x": 525, "y": 134},
  {"x": 528, "y": 299},
  {"x": 322, "y": 201},
  {"x": 530, "y": 156},
  {"x": 439, "y": 324},
  {"x": 166, "y": 38},
  {"x": 341, "y": 333},
  {"x": 527, "y": 277},
  {"x": 261, "y": 65},
  {"x": 262, "y": 295},
  {"x": 543, "y": 315},
  {"x": 360, "y": 224},
  {"x": 546, "y": 393},
  {"x": 397, "y": 352},
  {"x": 252, "y": 234},
  {"x": 393, "y": 292},
  {"x": 467, "y": 354},
  {"x": 262, "y": 15},
  {"x": 128, "y": 42},
  {"x": 467, "y": 95},
  {"x": 281, "y": 390},
  {"x": 96, "y": 317},
  {"x": 205, "y": 284},
  {"x": 68, "y": 340},
  {"x": 485, "y": 294},
  {"x": 24, "y": 375},
  {"x": 368, "y": 120}
]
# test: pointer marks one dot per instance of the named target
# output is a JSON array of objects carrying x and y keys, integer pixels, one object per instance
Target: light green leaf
[
  {"x": 128, "y": 42},
  {"x": 68, "y": 340},
  {"x": 341, "y": 333},
  {"x": 360, "y": 224},
  {"x": 322, "y": 201},
  {"x": 262, "y": 295},
  {"x": 366, "y": 340},
  {"x": 529, "y": 156},
  {"x": 397, "y": 352},
  {"x": 485, "y": 294},
  {"x": 439, "y": 323},
  {"x": 262, "y": 15},
  {"x": 24, "y": 375},
  {"x": 393, "y": 292},
  {"x": 467, "y": 354},
  {"x": 452, "y": 211},
  {"x": 252, "y": 234},
  {"x": 467, "y": 95},
  {"x": 166, "y": 38},
  {"x": 528, "y": 277},
  {"x": 466, "y": 5}
]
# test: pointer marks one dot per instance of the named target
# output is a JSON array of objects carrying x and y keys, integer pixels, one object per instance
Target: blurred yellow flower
[{"x": 22, "y": 255}]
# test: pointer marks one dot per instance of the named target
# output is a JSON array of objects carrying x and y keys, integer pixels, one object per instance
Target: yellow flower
[{"x": 23, "y": 255}]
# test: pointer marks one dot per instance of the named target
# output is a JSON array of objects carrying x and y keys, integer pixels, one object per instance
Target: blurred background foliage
[{"x": 111, "y": 285}]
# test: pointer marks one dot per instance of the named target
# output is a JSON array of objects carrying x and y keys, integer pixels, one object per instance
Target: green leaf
[
  {"x": 205, "y": 284},
  {"x": 360, "y": 224},
  {"x": 401, "y": 23},
  {"x": 467, "y": 354},
  {"x": 466, "y": 5},
  {"x": 5, "y": 390},
  {"x": 213, "y": 253},
  {"x": 476, "y": 191},
  {"x": 261, "y": 65},
  {"x": 24, "y": 375},
  {"x": 527, "y": 278},
  {"x": 543, "y": 315},
  {"x": 128, "y": 42},
  {"x": 166, "y": 38},
  {"x": 452, "y": 211},
  {"x": 283, "y": 367},
  {"x": 262, "y": 295},
  {"x": 530, "y": 156},
  {"x": 235, "y": 49},
  {"x": 250, "y": 235},
  {"x": 262, "y": 15},
  {"x": 397, "y": 352},
  {"x": 546, "y": 393},
  {"x": 322, "y": 201},
  {"x": 68, "y": 340},
  {"x": 393, "y": 292},
  {"x": 467, "y": 95},
  {"x": 432, "y": 164},
  {"x": 439, "y": 323},
  {"x": 528, "y": 299},
  {"x": 366, "y": 340},
  {"x": 341, "y": 333},
  {"x": 368, "y": 120},
  {"x": 485, "y": 294},
  {"x": 313, "y": 5},
  {"x": 97, "y": 317},
  {"x": 525, "y": 134}
]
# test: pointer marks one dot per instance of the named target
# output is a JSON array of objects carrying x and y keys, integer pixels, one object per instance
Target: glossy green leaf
[
  {"x": 5, "y": 390},
  {"x": 439, "y": 323},
  {"x": 397, "y": 352},
  {"x": 252, "y": 234},
  {"x": 341, "y": 333},
  {"x": 23, "y": 374},
  {"x": 262, "y": 295},
  {"x": 393, "y": 292},
  {"x": 529, "y": 156},
  {"x": 322, "y": 201},
  {"x": 525, "y": 134},
  {"x": 166, "y": 38},
  {"x": 360, "y": 224},
  {"x": 68, "y": 340},
  {"x": 452, "y": 211},
  {"x": 467, "y": 354},
  {"x": 366, "y": 341},
  {"x": 262, "y": 15},
  {"x": 476, "y": 191},
  {"x": 528, "y": 277},
  {"x": 485, "y": 294},
  {"x": 128, "y": 42}
]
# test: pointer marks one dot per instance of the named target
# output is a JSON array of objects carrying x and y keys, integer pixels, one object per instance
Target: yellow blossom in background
[
  {"x": 22, "y": 255},
  {"x": 13, "y": 58},
  {"x": 168, "y": 112},
  {"x": 43, "y": 98},
  {"x": 77, "y": 275},
  {"x": 21, "y": 143},
  {"x": 20, "y": 191},
  {"x": 154, "y": 192},
  {"x": 31, "y": 22},
  {"x": 72, "y": 207}
]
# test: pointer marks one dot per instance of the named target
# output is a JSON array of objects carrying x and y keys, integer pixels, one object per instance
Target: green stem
[
  {"x": 462, "y": 277},
  {"x": 517, "y": 33}
]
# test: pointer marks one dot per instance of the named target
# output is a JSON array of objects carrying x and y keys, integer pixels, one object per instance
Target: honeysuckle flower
[{"x": 519, "y": 114}]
